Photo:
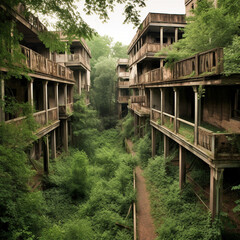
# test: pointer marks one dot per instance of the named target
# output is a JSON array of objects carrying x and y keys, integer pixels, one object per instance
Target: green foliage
[
  {"x": 21, "y": 211},
  {"x": 232, "y": 57},
  {"x": 119, "y": 50},
  {"x": 85, "y": 125},
  {"x": 127, "y": 127},
  {"x": 144, "y": 150},
  {"x": 181, "y": 216},
  {"x": 209, "y": 28}
]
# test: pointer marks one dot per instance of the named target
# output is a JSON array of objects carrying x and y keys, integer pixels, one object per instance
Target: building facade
[
  {"x": 123, "y": 94},
  {"x": 193, "y": 106},
  {"x": 50, "y": 88}
]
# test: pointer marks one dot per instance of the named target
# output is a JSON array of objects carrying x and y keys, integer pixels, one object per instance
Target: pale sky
[{"x": 125, "y": 32}]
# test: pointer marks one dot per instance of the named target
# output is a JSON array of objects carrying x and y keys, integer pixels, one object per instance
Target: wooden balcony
[
  {"x": 65, "y": 110},
  {"x": 215, "y": 145},
  {"x": 30, "y": 18},
  {"x": 139, "y": 109},
  {"x": 138, "y": 99},
  {"x": 40, "y": 64},
  {"x": 203, "y": 64},
  {"x": 123, "y": 75},
  {"x": 123, "y": 84},
  {"x": 123, "y": 99},
  {"x": 146, "y": 49},
  {"x": 43, "y": 118},
  {"x": 157, "y": 18},
  {"x": 76, "y": 59}
]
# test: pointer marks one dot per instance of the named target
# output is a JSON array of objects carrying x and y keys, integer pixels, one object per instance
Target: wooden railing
[
  {"x": 206, "y": 63},
  {"x": 78, "y": 58},
  {"x": 34, "y": 21},
  {"x": 123, "y": 99},
  {"x": 123, "y": 75},
  {"x": 123, "y": 84},
  {"x": 156, "y": 115},
  {"x": 38, "y": 63},
  {"x": 138, "y": 99},
  {"x": 122, "y": 61},
  {"x": 53, "y": 114},
  {"x": 157, "y": 18},
  {"x": 65, "y": 110}
]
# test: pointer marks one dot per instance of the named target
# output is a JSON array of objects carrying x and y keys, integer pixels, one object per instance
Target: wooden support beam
[
  {"x": 166, "y": 146},
  {"x": 176, "y": 109},
  {"x": 197, "y": 110},
  {"x": 176, "y": 34},
  {"x": 53, "y": 145},
  {"x": 216, "y": 182},
  {"x": 65, "y": 135},
  {"x": 153, "y": 142},
  {"x": 46, "y": 154},
  {"x": 162, "y": 104},
  {"x": 30, "y": 92},
  {"x": 161, "y": 37},
  {"x": 45, "y": 99},
  {"x": 182, "y": 167}
]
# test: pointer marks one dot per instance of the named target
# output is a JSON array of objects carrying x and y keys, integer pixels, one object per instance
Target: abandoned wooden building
[
  {"x": 123, "y": 93},
  {"x": 193, "y": 106},
  {"x": 51, "y": 88}
]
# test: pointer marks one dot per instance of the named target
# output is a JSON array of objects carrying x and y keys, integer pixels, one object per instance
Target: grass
[
  {"x": 187, "y": 131},
  {"x": 168, "y": 124},
  {"x": 212, "y": 128}
]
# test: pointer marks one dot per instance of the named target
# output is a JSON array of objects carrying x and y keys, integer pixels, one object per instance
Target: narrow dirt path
[{"x": 145, "y": 226}]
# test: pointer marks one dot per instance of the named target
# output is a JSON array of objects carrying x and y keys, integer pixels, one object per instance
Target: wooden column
[
  {"x": 56, "y": 98},
  {"x": 176, "y": 109},
  {"x": 65, "y": 135},
  {"x": 2, "y": 96},
  {"x": 162, "y": 104},
  {"x": 80, "y": 83},
  {"x": 196, "y": 114},
  {"x": 45, "y": 99},
  {"x": 182, "y": 167},
  {"x": 46, "y": 154},
  {"x": 65, "y": 94},
  {"x": 166, "y": 146},
  {"x": 53, "y": 145},
  {"x": 216, "y": 180},
  {"x": 153, "y": 142},
  {"x": 176, "y": 34},
  {"x": 161, "y": 37},
  {"x": 30, "y": 92},
  {"x": 151, "y": 102}
]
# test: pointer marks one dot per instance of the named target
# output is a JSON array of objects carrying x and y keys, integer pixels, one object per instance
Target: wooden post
[
  {"x": 80, "y": 83},
  {"x": 65, "y": 135},
  {"x": 161, "y": 37},
  {"x": 45, "y": 99},
  {"x": 162, "y": 104},
  {"x": 196, "y": 114},
  {"x": 46, "y": 155},
  {"x": 216, "y": 181},
  {"x": 176, "y": 108},
  {"x": 30, "y": 92},
  {"x": 182, "y": 167},
  {"x": 56, "y": 98},
  {"x": 2, "y": 96},
  {"x": 197, "y": 64},
  {"x": 53, "y": 145},
  {"x": 151, "y": 102},
  {"x": 65, "y": 95},
  {"x": 176, "y": 34},
  {"x": 166, "y": 146},
  {"x": 153, "y": 142}
]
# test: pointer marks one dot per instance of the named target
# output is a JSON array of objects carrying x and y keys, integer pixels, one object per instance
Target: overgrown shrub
[{"x": 144, "y": 150}]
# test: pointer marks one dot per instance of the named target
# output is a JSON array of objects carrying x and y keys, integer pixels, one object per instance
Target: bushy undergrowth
[
  {"x": 127, "y": 127},
  {"x": 178, "y": 215},
  {"x": 90, "y": 197}
]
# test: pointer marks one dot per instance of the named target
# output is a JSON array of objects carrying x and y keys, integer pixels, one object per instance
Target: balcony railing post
[
  {"x": 30, "y": 59},
  {"x": 197, "y": 64},
  {"x": 176, "y": 109},
  {"x": 45, "y": 99},
  {"x": 196, "y": 115},
  {"x": 162, "y": 104},
  {"x": 56, "y": 98},
  {"x": 30, "y": 92},
  {"x": 213, "y": 145}
]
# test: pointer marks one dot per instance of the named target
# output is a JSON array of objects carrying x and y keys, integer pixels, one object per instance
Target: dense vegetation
[
  {"x": 84, "y": 197},
  {"x": 209, "y": 28}
]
